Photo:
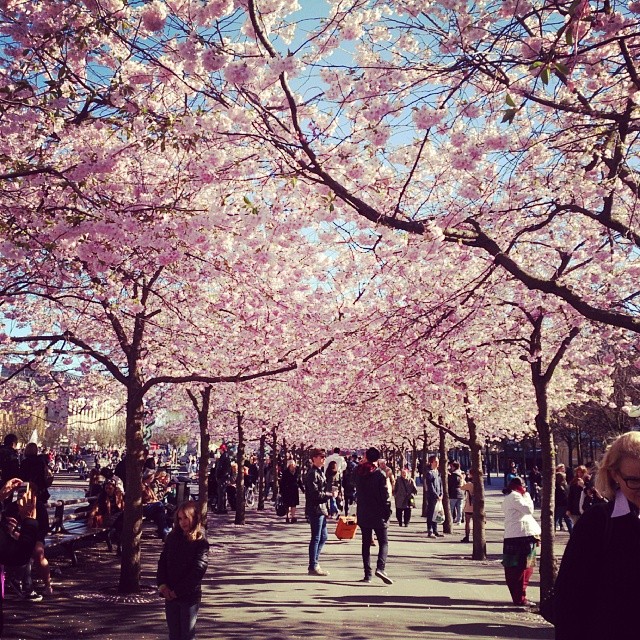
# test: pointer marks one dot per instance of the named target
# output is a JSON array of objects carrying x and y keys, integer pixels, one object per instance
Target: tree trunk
[
  {"x": 414, "y": 457},
  {"x": 423, "y": 473},
  {"x": 547, "y": 504},
  {"x": 447, "y": 526},
  {"x": 479, "y": 533},
  {"x": 487, "y": 457},
  {"x": 579, "y": 455},
  {"x": 274, "y": 464},
  {"x": 240, "y": 503},
  {"x": 203, "y": 423},
  {"x": 205, "y": 439},
  {"x": 541, "y": 382},
  {"x": 132, "y": 516},
  {"x": 263, "y": 440}
]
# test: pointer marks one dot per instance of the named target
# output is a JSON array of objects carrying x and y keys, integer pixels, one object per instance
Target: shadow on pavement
[{"x": 483, "y": 630}]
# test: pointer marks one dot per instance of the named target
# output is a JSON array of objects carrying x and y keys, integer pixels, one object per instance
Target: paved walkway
[{"x": 257, "y": 588}]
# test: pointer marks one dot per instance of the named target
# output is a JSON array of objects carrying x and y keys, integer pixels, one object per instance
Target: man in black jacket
[
  {"x": 374, "y": 511},
  {"x": 316, "y": 509},
  {"x": 223, "y": 474}
]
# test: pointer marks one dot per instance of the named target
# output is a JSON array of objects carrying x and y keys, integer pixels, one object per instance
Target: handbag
[
  {"x": 438, "y": 513},
  {"x": 412, "y": 502},
  {"x": 281, "y": 507}
]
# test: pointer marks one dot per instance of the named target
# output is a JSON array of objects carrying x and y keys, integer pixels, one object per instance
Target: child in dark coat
[{"x": 181, "y": 567}]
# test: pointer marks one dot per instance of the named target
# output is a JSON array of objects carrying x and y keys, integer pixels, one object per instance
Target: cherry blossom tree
[
  {"x": 143, "y": 281},
  {"x": 508, "y": 129},
  {"x": 174, "y": 176}
]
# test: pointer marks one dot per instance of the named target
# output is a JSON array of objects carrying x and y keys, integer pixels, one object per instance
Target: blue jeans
[
  {"x": 561, "y": 516},
  {"x": 155, "y": 511},
  {"x": 318, "y": 538},
  {"x": 181, "y": 619},
  {"x": 456, "y": 509}
]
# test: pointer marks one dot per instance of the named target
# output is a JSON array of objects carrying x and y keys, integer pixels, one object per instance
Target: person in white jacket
[{"x": 521, "y": 538}]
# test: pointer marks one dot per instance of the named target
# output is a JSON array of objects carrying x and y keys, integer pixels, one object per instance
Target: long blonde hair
[
  {"x": 190, "y": 509},
  {"x": 625, "y": 446}
]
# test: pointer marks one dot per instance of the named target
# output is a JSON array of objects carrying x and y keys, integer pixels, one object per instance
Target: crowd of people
[
  {"x": 35, "y": 476},
  {"x": 599, "y": 510},
  {"x": 333, "y": 484},
  {"x": 284, "y": 481},
  {"x": 105, "y": 492}
]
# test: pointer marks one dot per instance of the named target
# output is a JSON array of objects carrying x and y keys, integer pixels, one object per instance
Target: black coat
[
  {"x": 182, "y": 566},
  {"x": 374, "y": 501},
  {"x": 597, "y": 590},
  {"x": 289, "y": 484},
  {"x": 36, "y": 469},
  {"x": 315, "y": 492},
  {"x": 562, "y": 491},
  {"x": 9, "y": 463},
  {"x": 349, "y": 480},
  {"x": 223, "y": 468},
  {"x": 573, "y": 499}
]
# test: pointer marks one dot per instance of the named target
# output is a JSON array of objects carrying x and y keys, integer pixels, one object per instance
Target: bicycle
[{"x": 249, "y": 495}]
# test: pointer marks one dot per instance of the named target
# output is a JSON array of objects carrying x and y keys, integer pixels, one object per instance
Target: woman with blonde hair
[
  {"x": 603, "y": 554},
  {"x": 289, "y": 490},
  {"x": 181, "y": 567}
]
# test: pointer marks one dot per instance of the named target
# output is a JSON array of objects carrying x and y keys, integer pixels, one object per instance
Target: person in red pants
[{"x": 521, "y": 539}]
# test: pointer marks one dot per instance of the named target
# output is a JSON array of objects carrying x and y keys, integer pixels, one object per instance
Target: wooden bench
[{"x": 70, "y": 531}]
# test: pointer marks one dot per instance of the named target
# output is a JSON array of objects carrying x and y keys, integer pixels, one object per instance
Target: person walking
[
  {"x": 336, "y": 457},
  {"x": 373, "y": 512},
  {"x": 316, "y": 509},
  {"x": 349, "y": 483},
  {"x": 521, "y": 539},
  {"x": 181, "y": 568},
  {"x": 404, "y": 491},
  {"x": 434, "y": 495}
]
